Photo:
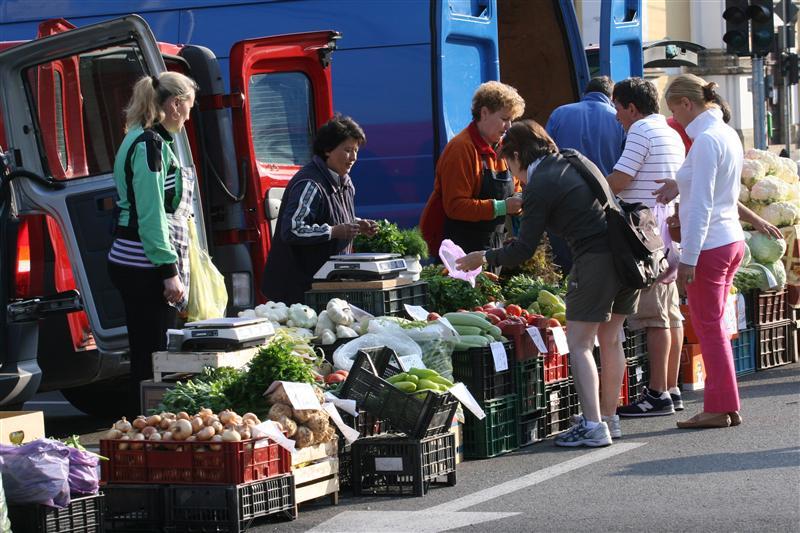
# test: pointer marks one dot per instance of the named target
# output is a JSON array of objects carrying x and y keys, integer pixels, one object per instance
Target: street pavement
[{"x": 656, "y": 477}]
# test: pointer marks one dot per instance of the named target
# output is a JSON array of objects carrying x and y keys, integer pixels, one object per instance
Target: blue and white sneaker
[{"x": 580, "y": 435}]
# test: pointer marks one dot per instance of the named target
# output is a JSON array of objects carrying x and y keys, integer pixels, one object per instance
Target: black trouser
[{"x": 148, "y": 316}]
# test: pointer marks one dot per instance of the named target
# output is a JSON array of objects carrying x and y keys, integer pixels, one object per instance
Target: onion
[
  {"x": 147, "y": 431},
  {"x": 231, "y": 435},
  {"x": 113, "y": 434},
  {"x": 248, "y": 418},
  {"x": 217, "y": 427},
  {"x": 204, "y": 412},
  {"x": 137, "y": 437},
  {"x": 216, "y": 447},
  {"x": 165, "y": 423},
  {"x": 197, "y": 424},
  {"x": 205, "y": 434},
  {"x": 140, "y": 422},
  {"x": 154, "y": 420},
  {"x": 122, "y": 425},
  {"x": 226, "y": 416},
  {"x": 167, "y": 435},
  {"x": 154, "y": 436},
  {"x": 181, "y": 430},
  {"x": 191, "y": 438},
  {"x": 184, "y": 415},
  {"x": 209, "y": 420},
  {"x": 244, "y": 431},
  {"x": 124, "y": 445}
]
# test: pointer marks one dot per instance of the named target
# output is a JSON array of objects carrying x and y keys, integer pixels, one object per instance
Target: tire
[{"x": 103, "y": 399}]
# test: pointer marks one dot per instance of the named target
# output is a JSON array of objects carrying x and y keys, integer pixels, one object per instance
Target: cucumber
[
  {"x": 467, "y": 319},
  {"x": 426, "y": 384},
  {"x": 442, "y": 381},
  {"x": 398, "y": 377},
  {"x": 467, "y": 330},
  {"x": 405, "y": 386},
  {"x": 474, "y": 340},
  {"x": 423, "y": 373},
  {"x": 494, "y": 331}
]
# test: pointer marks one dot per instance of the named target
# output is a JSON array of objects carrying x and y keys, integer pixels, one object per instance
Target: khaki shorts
[
  {"x": 659, "y": 307},
  {"x": 594, "y": 291}
]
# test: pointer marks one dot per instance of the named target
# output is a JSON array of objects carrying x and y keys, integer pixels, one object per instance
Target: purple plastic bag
[
  {"x": 448, "y": 253},
  {"x": 36, "y": 472},
  {"x": 83, "y": 477}
]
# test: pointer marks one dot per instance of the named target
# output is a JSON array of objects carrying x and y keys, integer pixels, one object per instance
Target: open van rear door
[
  {"x": 621, "y": 39},
  {"x": 109, "y": 56},
  {"x": 280, "y": 94}
]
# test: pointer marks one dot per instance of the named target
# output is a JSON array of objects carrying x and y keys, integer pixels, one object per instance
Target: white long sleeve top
[{"x": 708, "y": 183}]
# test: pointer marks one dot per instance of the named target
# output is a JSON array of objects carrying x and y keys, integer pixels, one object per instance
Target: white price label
[
  {"x": 301, "y": 395},
  {"x": 349, "y": 433},
  {"x": 411, "y": 361},
  {"x": 388, "y": 464},
  {"x": 740, "y": 312},
  {"x": 417, "y": 312},
  {"x": 538, "y": 341},
  {"x": 560, "y": 339},
  {"x": 500, "y": 356},
  {"x": 465, "y": 397}
]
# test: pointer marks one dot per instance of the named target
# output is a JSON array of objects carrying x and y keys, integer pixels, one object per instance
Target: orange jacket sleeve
[{"x": 459, "y": 172}]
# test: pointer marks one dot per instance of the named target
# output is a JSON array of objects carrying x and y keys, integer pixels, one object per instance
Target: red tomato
[
  {"x": 499, "y": 312},
  {"x": 513, "y": 310},
  {"x": 344, "y": 373},
  {"x": 334, "y": 378},
  {"x": 494, "y": 319},
  {"x": 433, "y": 316},
  {"x": 490, "y": 305},
  {"x": 532, "y": 320},
  {"x": 477, "y": 308},
  {"x": 524, "y": 313},
  {"x": 553, "y": 323}
]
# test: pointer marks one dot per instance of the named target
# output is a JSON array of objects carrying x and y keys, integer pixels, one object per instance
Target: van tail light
[{"x": 22, "y": 278}]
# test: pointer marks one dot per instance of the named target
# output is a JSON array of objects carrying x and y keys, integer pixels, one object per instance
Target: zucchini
[
  {"x": 467, "y": 319},
  {"x": 467, "y": 330},
  {"x": 478, "y": 341}
]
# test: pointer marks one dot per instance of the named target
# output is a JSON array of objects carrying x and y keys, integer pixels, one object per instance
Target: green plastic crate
[
  {"x": 529, "y": 385},
  {"x": 497, "y": 433}
]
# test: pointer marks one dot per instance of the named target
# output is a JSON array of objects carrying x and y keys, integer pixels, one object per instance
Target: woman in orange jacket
[{"x": 473, "y": 189}]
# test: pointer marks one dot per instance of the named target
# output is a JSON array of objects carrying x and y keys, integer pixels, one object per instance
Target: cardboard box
[
  {"x": 693, "y": 373},
  {"x": 17, "y": 427},
  {"x": 151, "y": 392},
  {"x": 457, "y": 430}
]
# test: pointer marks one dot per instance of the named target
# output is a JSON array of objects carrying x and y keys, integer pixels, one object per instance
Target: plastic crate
[
  {"x": 228, "y": 508},
  {"x": 367, "y": 426},
  {"x": 407, "y": 413},
  {"x": 84, "y": 514},
  {"x": 345, "y": 468},
  {"x": 524, "y": 348},
  {"x": 794, "y": 335},
  {"x": 555, "y": 367},
  {"x": 497, "y": 433},
  {"x": 378, "y": 302},
  {"x": 193, "y": 462},
  {"x": 772, "y": 346},
  {"x": 769, "y": 307},
  {"x": 531, "y": 428},
  {"x": 744, "y": 352},
  {"x": 134, "y": 508},
  {"x": 475, "y": 368},
  {"x": 561, "y": 403},
  {"x": 635, "y": 344},
  {"x": 637, "y": 376},
  {"x": 390, "y": 465},
  {"x": 529, "y": 385}
]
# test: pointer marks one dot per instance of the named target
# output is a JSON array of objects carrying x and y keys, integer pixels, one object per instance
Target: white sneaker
[{"x": 613, "y": 426}]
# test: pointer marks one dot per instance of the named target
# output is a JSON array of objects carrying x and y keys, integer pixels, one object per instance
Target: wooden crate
[
  {"x": 312, "y": 454},
  {"x": 345, "y": 285},
  {"x": 194, "y": 362},
  {"x": 317, "y": 480}
]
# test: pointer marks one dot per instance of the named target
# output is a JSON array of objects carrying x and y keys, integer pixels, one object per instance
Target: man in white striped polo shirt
[{"x": 653, "y": 151}]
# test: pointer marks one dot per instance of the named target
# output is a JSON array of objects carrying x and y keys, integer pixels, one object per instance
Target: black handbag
[{"x": 635, "y": 237}]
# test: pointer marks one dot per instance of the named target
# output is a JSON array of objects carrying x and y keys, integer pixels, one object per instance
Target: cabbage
[
  {"x": 747, "y": 257},
  {"x": 754, "y": 277},
  {"x": 779, "y": 271},
  {"x": 766, "y": 249}
]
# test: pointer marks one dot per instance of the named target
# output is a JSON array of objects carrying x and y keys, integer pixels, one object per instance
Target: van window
[
  {"x": 81, "y": 112},
  {"x": 281, "y": 117}
]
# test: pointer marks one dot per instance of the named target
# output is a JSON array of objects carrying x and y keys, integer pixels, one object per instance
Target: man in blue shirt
[{"x": 590, "y": 127}]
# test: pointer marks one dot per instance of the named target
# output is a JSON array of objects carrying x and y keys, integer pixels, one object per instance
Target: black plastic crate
[
  {"x": 635, "y": 344},
  {"x": 496, "y": 434},
  {"x": 418, "y": 415},
  {"x": 378, "y": 302},
  {"x": 531, "y": 428},
  {"x": 345, "y": 468},
  {"x": 134, "y": 508},
  {"x": 84, "y": 514},
  {"x": 475, "y": 369},
  {"x": 529, "y": 385},
  {"x": 768, "y": 308},
  {"x": 562, "y": 403},
  {"x": 231, "y": 508},
  {"x": 772, "y": 346},
  {"x": 637, "y": 375},
  {"x": 398, "y": 466}
]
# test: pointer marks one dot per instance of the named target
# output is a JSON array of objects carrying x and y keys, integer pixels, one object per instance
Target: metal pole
[
  {"x": 786, "y": 122},
  {"x": 759, "y": 111}
]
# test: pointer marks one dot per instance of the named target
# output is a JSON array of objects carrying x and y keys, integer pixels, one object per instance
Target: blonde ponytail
[{"x": 149, "y": 94}]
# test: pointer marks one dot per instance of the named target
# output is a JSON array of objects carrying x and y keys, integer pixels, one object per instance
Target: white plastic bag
[
  {"x": 662, "y": 213},
  {"x": 345, "y": 354}
]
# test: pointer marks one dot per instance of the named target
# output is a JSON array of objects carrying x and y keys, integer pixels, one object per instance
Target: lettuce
[{"x": 766, "y": 249}]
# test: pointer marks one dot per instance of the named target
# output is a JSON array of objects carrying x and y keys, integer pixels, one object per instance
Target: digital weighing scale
[
  {"x": 362, "y": 267},
  {"x": 225, "y": 334}
]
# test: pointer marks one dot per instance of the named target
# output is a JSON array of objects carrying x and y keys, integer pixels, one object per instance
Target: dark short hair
[
  {"x": 334, "y": 132},
  {"x": 600, "y": 84},
  {"x": 639, "y": 92},
  {"x": 528, "y": 139}
]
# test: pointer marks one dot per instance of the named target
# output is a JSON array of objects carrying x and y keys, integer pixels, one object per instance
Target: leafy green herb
[
  {"x": 388, "y": 239},
  {"x": 212, "y": 389},
  {"x": 414, "y": 243}
]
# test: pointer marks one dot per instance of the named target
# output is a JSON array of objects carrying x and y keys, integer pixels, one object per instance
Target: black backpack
[{"x": 639, "y": 252}]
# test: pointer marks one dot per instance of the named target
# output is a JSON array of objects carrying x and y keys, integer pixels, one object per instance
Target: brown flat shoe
[
  {"x": 736, "y": 418},
  {"x": 706, "y": 420}
]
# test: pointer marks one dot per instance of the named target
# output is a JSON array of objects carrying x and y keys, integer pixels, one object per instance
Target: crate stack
[
  {"x": 84, "y": 514},
  {"x": 189, "y": 486},
  {"x": 637, "y": 367},
  {"x": 389, "y": 301},
  {"x": 772, "y": 325},
  {"x": 420, "y": 451},
  {"x": 496, "y": 392}
]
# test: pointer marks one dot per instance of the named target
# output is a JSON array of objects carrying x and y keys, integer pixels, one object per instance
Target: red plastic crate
[
  {"x": 524, "y": 348},
  {"x": 193, "y": 462},
  {"x": 556, "y": 366}
]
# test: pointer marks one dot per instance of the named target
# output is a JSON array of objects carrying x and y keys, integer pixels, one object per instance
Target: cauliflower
[
  {"x": 794, "y": 194},
  {"x": 780, "y": 213},
  {"x": 744, "y": 194},
  {"x": 770, "y": 189},
  {"x": 752, "y": 171},
  {"x": 767, "y": 158},
  {"x": 788, "y": 170}
]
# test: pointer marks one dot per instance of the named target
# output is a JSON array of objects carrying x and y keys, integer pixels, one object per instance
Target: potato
[
  {"x": 279, "y": 410},
  {"x": 304, "y": 437}
]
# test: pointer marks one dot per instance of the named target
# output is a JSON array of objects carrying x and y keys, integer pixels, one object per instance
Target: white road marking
[
  {"x": 449, "y": 515},
  {"x": 536, "y": 477}
]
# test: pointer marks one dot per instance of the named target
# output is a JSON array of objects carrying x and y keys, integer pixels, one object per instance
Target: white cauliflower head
[
  {"x": 752, "y": 171},
  {"x": 788, "y": 170},
  {"x": 768, "y": 190},
  {"x": 744, "y": 194},
  {"x": 780, "y": 213},
  {"x": 768, "y": 159}
]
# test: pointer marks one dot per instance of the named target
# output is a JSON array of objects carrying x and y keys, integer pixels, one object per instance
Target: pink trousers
[{"x": 707, "y": 294}]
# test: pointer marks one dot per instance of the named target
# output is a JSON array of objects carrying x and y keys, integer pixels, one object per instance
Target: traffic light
[
  {"x": 789, "y": 67},
  {"x": 737, "y": 36},
  {"x": 761, "y": 12}
]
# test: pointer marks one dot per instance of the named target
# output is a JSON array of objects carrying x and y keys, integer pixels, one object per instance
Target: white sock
[
  {"x": 675, "y": 390},
  {"x": 589, "y": 424},
  {"x": 612, "y": 417}
]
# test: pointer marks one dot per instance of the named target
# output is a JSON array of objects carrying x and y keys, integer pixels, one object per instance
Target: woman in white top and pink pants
[{"x": 712, "y": 241}]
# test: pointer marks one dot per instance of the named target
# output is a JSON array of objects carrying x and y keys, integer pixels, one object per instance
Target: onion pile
[{"x": 170, "y": 429}]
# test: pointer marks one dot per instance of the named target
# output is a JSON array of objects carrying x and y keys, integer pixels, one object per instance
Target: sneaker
[
  {"x": 580, "y": 435},
  {"x": 613, "y": 426},
  {"x": 648, "y": 405},
  {"x": 677, "y": 401}
]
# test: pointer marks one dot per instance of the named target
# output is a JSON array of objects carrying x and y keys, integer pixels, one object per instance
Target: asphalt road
[{"x": 656, "y": 478}]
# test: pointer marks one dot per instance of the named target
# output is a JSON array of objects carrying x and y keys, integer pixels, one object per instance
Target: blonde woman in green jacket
[{"x": 148, "y": 260}]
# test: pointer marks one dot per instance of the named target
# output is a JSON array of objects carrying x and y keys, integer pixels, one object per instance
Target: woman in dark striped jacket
[{"x": 148, "y": 260}]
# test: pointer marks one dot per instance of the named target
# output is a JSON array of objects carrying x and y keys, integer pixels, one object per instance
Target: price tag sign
[
  {"x": 500, "y": 356},
  {"x": 538, "y": 341},
  {"x": 301, "y": 395},
  {"x": 417, "y": 312},
  {"x": 459, "y": 390},
  {"x": 560, "y": 339},
  {"x": 349, "y": 433},
  {"x": 412, "y": 361},
  {"x": 740, "y": 312}
]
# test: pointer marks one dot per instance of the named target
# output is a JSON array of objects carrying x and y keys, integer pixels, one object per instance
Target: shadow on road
[{"x": 716, "y": 462}]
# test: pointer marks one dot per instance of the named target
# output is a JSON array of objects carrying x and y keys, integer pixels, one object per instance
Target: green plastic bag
[{"x": 208, "y": 296}]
